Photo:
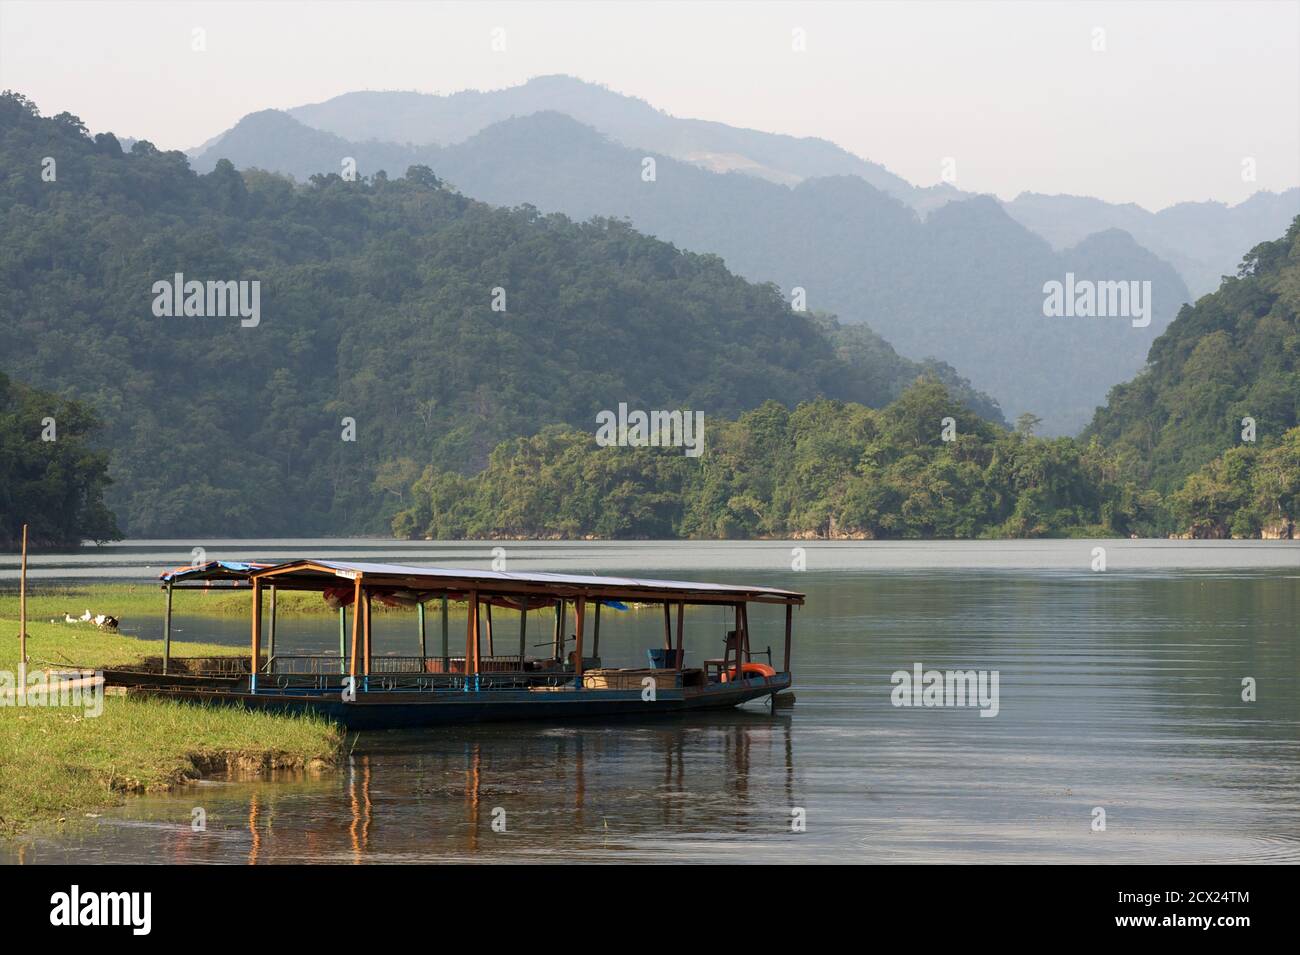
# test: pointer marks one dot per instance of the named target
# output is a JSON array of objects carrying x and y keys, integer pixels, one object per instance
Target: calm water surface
[{"x": 1120, "y": 690}]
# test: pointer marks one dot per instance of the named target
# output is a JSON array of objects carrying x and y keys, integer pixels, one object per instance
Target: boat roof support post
[
  {"x": 492, "y": 651},
  {"x": 523, "y": 633},
  {"x": 743, "y": 640},
  {"x": 365, "y": 603},
  {"x": 446, "y": 653},
  {"x": 734, "y": 642},
  {"x": 270, "y": 636},
  {"x": 595, "y": 632},
  {"x": 681, "y": 620},
  {"x": 167, "y": 630},
  {"x": 356, "y": 630},
  {"x": 668, "y": 626},
  {"x": 420, "y": 612},
  {"x": 580, "y": 613},
  {"x": 471, "y": 638},
  {"x": 343, "y": 639},
  {"x": 789, "y": 629},
  {"x": 257, "y": 635},
  {"x": 557, "y": 651}
]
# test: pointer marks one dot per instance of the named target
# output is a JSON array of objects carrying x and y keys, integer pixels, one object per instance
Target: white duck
[{"x": 101, "y": 620}]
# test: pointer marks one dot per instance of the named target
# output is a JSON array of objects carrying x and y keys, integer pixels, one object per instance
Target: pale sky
[{"x": 1014, "y": 92}]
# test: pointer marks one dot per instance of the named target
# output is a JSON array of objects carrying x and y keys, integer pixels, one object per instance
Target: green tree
[{"x": 51, "y": 477}]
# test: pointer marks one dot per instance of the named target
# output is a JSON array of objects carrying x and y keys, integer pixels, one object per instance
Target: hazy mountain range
[
  {"x": 421, "y": 119},
  {"x": 938, "y": 272},
  {"x": 963, "y": 285},
  {"x": 1202, "y": 240}
]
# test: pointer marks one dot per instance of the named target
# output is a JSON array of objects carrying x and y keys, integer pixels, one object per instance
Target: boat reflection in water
[
  {"x": 622, "y": 790},
  {"x": 502, "y": 792}
]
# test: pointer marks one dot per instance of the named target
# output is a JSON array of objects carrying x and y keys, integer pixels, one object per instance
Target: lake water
[{"x": 1118, "y": 691}]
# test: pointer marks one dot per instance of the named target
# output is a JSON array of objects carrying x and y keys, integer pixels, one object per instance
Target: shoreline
[{"x": 57, "y": 762}]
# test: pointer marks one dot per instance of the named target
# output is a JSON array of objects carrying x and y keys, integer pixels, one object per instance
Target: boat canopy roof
[
  {"x": 233, "y": 570},
  {"x": 319, "y": 575}
]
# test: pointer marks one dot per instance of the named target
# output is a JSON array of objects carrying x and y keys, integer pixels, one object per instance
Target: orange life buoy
[{"x": 748, "y": 670}]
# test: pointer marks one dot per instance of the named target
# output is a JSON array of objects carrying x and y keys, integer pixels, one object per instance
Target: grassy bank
[
  {"x": 83, "y": 645},
  {"x": 125, "y": 599},
  {"x": 59, "y": 762}
]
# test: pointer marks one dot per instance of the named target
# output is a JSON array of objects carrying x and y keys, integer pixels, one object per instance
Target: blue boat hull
[{"x": 409, "y": 709}]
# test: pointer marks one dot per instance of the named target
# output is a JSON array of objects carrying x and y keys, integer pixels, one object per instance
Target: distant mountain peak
[
  {"x": 450, "y": 118},
  {"x": 1202, "y": 240}
]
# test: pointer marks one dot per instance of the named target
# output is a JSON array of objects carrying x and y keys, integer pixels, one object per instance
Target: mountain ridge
[
  {"x": 1203, "y": 249},
  {"x": 963, "y": 284}
]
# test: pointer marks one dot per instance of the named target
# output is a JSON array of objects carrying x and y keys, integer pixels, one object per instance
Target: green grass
[
  {"x": 59, "y": 762},
  {"x": 84, "y": 645},
  {"x": 123, "y": 600}
]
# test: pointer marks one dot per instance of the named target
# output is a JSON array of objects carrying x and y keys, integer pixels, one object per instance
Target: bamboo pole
[{"x": 21, "y": 689}]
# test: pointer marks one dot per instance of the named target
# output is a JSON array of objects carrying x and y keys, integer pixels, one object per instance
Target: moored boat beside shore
[{"x": 478, "y": 683}]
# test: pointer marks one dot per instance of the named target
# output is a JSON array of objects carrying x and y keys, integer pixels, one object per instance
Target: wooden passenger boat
[{"x": 361, "y": 690}]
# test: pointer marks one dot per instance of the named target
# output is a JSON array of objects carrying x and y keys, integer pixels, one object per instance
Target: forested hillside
[
  {"x": 1205, "y": 443},
  {"x": 824, "y": 469},
  {"x": 376, "y": 322},
  {"x": 1252, "y": 490},
  {"x": 1233, "y": 355}
]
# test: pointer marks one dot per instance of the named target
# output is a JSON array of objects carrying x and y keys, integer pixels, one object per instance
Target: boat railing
[
  {"x": 333, "y": 681},
  {"x": 508, "y": 671},
  {"x": 199, "y": 666},
  {"x": 305, "y": 664},
  {"x": 504, "y": 663},
  {"x": 328, "y": 679},
  {"x": 330, "y": 663}
]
